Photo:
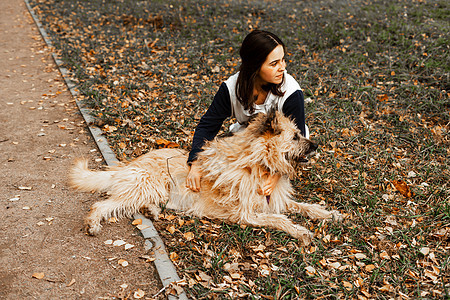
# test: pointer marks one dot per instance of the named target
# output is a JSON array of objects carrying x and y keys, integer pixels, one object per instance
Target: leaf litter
[{"x": 378, "y": 90}]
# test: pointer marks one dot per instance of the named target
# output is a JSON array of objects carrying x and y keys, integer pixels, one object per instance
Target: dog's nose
[{"x": 313, "y": 147}]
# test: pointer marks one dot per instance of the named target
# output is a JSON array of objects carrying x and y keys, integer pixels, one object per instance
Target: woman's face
[{"x": 273, "y": 67}]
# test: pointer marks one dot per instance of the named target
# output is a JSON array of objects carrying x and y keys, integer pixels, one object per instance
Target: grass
[{"x": 377, "y": 74}]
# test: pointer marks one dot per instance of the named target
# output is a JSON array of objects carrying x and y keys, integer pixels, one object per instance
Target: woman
[{"x": 262, "y": 83}]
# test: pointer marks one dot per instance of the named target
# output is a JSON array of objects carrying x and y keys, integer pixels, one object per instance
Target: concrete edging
[{"x": 166, "y": 270}]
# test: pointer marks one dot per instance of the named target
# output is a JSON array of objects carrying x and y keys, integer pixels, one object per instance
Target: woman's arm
[
  {"x": 294, "y": 108},
  {"x": 211, "y": 122}
]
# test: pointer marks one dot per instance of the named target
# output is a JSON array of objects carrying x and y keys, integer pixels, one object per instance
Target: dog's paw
[
  {"x": 150, "y": 212},
  {"x": 303, "y": 235},
  {"x": 92, "y": 228},
  {"x": 333, "y": 216},
  {"x": 336, "y": 216}
]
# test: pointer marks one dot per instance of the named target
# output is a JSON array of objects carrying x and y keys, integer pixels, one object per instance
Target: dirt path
[{"x": 41, "y": 219}]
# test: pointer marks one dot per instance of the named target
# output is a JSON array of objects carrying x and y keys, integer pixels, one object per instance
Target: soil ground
[{"x": 41, "y": 218}]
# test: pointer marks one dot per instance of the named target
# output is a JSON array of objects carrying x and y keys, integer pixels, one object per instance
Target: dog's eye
[{"x": 295, "y": 137}]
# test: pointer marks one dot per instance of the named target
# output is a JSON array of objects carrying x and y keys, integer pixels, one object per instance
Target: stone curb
[{"x": 166, "y": 270}]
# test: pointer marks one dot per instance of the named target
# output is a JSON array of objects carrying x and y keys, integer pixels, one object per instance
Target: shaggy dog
[{"x": 233, "y": 170}]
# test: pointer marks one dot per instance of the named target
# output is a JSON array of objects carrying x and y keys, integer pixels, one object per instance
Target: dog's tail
[{"x": 84, "y": 179}]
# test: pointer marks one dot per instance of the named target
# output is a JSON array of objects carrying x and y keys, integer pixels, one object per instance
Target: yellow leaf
[
  {"x": 173, "y": 256},
  {"x": 384, "y": 255},
  {"x": 386, "y": 288},
  {"x": 137, "y": 222},
  {"x": 38, "y": 275},
  {"x": 188, "y": 236},
  {"x": 347, "y": 285},
  {"x": 370, "y": 268},
  {"x": 122, "y": 262},
  {"x": 171, "y": 229},
  {"x": 167, "y": 144},
  {"x": 170, "y": 217}
]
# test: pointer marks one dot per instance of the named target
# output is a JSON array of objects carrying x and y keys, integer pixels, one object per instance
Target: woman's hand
[
  {"x": 269, "y": 184},
  {"x": 193, "y": 178}
]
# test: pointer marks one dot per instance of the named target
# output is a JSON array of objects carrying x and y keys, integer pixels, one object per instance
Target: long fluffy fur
[{"x": 233, "y": 170}]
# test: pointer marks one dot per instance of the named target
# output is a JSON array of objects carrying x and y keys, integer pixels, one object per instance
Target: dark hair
[{"x": 255, "y": 48}]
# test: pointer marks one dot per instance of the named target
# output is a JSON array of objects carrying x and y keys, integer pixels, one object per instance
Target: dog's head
[{"x": 279, "y": 141}]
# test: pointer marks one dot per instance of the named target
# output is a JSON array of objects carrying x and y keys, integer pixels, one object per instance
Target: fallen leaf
[
  {"x": 370, "y": 268},
  {"x": 384, "y": 255},
  {"x": 178, "y": 289},
  {"x": 122, "y": 262},
  {"x": 26, "y": 188},
  {"x": 173, "y": 256},
  {"x": 167, "y": 144},
  {"x": 71, "y": 282},
  {"x": 137, "y": 222},
  {"x": 431, "y": 275},
  {"x": 441, "y": 233},
  {"x": 412, "y": 174},
  {"x": 188, "y": 236},
  {"x": 386, "y": 288},
  {"x": 425, "y": 250},
  {"x": 118, "y": 243},
  {"x": 38, "y": 275},
  {"x": 310, "y": 270},
  {"x": 142, "y": 226},
  {"x": 128, "y": 246},
  {"x": 335, "y": 265},
  {"x": 108, "y": 242},
  {"x": 171, "y": 229},
  {"x": 403, "y": 188},
  {"x": 360, "y": 256},
  {"x": 347, "y": 285},
  {"x": 391, "y": 220},
  {"x": 172, "y": 217},
  {"x": 139, "y": 294}
]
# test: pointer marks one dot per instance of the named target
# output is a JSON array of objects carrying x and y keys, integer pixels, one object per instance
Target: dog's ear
[{"x": 270, "y": 124}]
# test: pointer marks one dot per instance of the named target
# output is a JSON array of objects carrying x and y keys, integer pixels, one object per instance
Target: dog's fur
[{"x": 233, "y": 170}]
